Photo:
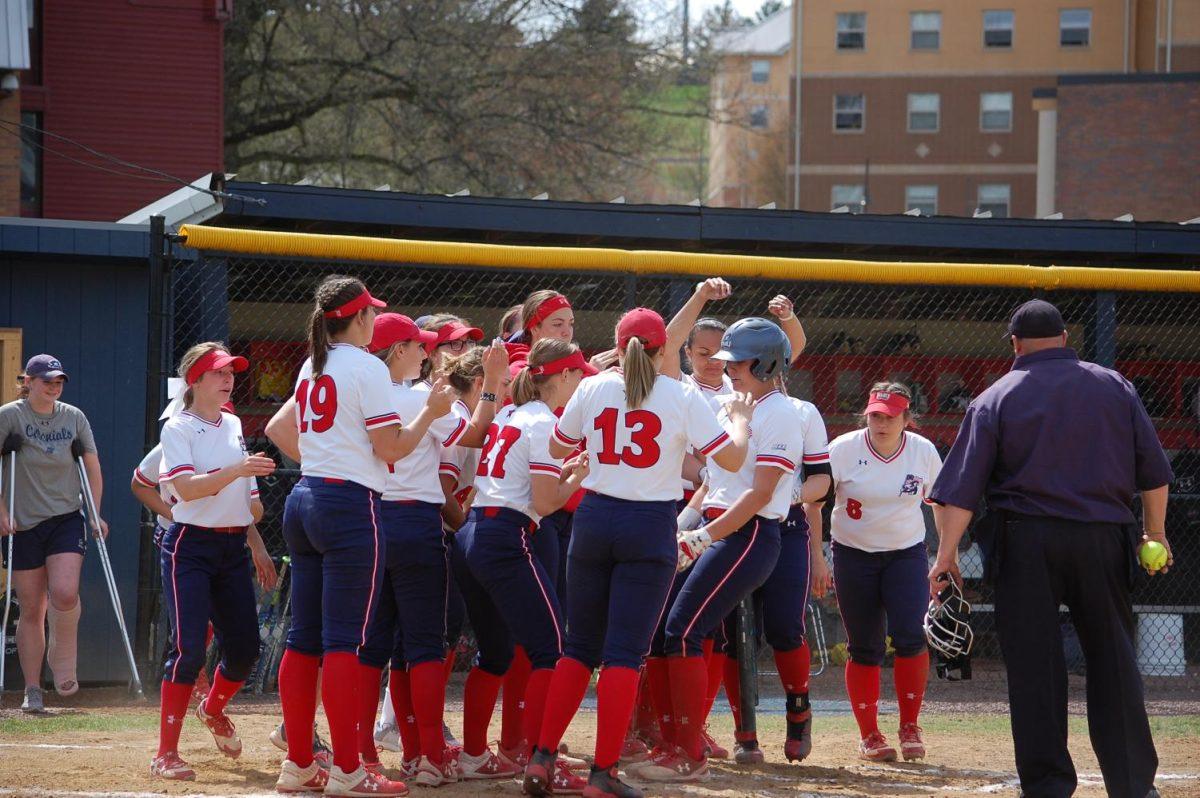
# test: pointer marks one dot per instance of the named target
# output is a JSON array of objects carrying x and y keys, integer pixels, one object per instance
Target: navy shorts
[
  {"x": 493, "y": 642},
  {"x": 882, "y": 593},
  {"x": 60, "y": 534}
]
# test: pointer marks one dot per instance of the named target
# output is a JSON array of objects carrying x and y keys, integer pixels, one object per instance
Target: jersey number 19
[{"x": 320, "y": 397}]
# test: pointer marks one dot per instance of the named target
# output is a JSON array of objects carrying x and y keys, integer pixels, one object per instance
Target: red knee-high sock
[
  {"x": 645, "y": 720},
  {"x": 793, "y": 667},
  {"x": 173, "y": 707},
  {"x": 536, "y": 691},
  {"x": 716, "y": 674},
  {"x": 406, "y": 721},
  {"x": 512, "y": 717},
  {"x": 567, "y": 686},
  {"x": 368, "y": 704},
  {"x": 340, "y": 681},
  {"x": 428, "y": 702},
  {"x": 862, "y": 685},
  {"x": 479, "y": 701},
  {"x": 298, "y": 696},
  {"x": 220, "y": 693},
  {"x": 616, "y": 693},
  {"x": 733, "y": 692},
  {"x": 911, "y": 674},
  {"x": 658, "y": 681},
  {"x": 689, "y": 687},
  {"x": 451, "y": 656}
]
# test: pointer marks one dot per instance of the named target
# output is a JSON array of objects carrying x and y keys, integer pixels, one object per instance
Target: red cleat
[
  {"x": 223, "y": 732},
  {"x": 911, "y": 745},
  {"x": 170, "y": 766},
  {"x": 875, "y": 748},
  {"x": 713, "y": 749},
  {"x": 293, "y": 778}
]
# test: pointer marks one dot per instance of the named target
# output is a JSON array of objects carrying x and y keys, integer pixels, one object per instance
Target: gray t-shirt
[{"x": 47, "y": 482}]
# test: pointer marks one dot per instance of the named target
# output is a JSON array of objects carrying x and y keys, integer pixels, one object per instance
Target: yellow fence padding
[{"x": 657, "y": 262}]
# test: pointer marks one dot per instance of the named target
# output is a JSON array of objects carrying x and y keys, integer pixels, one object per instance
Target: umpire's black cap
[{"x": 1037, "y": 318}]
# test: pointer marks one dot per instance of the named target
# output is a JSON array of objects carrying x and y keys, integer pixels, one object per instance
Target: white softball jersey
[
  {"x": 878, "y": 504},
  {"x": 637, "y": 454},
  {"x": 415, "y": 477},
  {"x": 711, "y": 393},
  {"x": 816, "y": 441},
  {"x": 337, "y": 409},
  {"x": 517, "y": 448},
  {"x": 194, "y": 446},
  {"x": 147, "y": 473},
  {"x": 776, "y": 441}
]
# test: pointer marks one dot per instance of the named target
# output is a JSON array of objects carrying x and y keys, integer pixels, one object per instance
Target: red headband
[
  {"x": 572, "y": 361},
  {"x": 212, "y": 361},
  {"x": 354, "y": 306},
  {"x": 545, "y": 309}
]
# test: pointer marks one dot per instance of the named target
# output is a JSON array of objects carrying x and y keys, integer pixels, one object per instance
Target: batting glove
[
  {"x": 691, "y": 545},
  {"x": 689, "y": 519}
]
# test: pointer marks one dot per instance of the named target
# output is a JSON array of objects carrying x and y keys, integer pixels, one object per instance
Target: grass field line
[{"x": 55, "y": 746}]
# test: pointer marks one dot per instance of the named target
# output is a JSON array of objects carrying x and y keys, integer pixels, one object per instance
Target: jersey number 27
[
  {"x": 496, "y": 444},
  {"x": 317, "y": 402}
]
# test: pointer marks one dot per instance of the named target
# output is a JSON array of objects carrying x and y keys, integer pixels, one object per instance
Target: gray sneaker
[{"x": 35, "y": 700}]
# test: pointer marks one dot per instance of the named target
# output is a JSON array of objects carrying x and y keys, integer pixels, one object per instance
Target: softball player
[
  {"x": 518, "y": 483},
  {"x": 347, "y": 432},
  {"x": 210, "y": 483},
  {"x": 881, "y": 475},
  {"x": 637, "y": 424},
  {"x": 740, "y": 542},
  {"x": 49, "y": 537}
]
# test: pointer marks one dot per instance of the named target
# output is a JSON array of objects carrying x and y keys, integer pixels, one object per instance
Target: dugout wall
[{"x": 938, "y": 327}]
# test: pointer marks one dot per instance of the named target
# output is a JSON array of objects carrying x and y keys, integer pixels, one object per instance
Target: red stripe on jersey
[
  {"x": 378, "y": 421},
  {"x": 775, "y": 460},
  {"x": 878, "y": 456},
  {"x": 142, "y": 478},
  {"x": 187, "y": 468},
  {"x": 545, "y": 468},
  {"x": 714, "y": 444},
  {"x": 450, "y": 469},
  {"x": 565, "y": 439},
  {"x": 816, "y": 458},
  {"x": 453, "y": 437}
]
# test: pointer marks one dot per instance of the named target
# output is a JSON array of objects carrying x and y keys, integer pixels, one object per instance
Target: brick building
[{"x": 140, "y": 81}]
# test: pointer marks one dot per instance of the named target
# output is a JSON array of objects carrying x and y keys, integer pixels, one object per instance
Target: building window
[
  {"x": 922, "y": 198},
  {"x": 994, "y": 197},
  {"x": 849, "y": 112},
  {"x": 852, "y": 196},
  {"x": 925, "y": 30},
  {"x": 995, "y": 111},
  {"x": 1075, "y": 27},
  {"x": 31, "y": 164},
  {"x": 923, "y": 112},
  {"x": 758, "y": 117},
  {"x": 852, "y": 31},
  {"x": 760, "y": 71},
  {"x": 997, "y": 28}
]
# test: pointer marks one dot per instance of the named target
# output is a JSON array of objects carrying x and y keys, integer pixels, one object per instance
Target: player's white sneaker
[
  {"x": 429, "y": 774},
  {"x": 223, "y": 732},
  {"x": 485, "y": 766},
  {"x": 293, "y": 778},
  {"x": 361, "y": 784}
]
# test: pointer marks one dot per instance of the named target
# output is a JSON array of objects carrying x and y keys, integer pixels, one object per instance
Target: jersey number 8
[{"x": 320, "y": 397}]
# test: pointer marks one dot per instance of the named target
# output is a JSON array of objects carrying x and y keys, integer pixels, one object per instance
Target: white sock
[{"x": 62, "y": 646}]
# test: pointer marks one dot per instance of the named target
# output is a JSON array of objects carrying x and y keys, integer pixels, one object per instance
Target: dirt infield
[{"x": 103, "y": 747}]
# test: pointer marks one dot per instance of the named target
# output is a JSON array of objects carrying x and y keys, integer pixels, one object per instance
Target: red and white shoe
[
  {"x": 747, "y": 752},
  {"x": 485, "y": 766},
  {"x": 911, "y": 745},
  {"x": 657, "y": 754},
  {"x": 293, "y": 778},
  {"x": 679, "y": 767},
  {"x": 517, "y": 757},
  {"x": 876, "y": 748},
  {"x": 433, "y": 774},
  {"x": 170, "y": 766},
  {"x": 633, "y": 750},
  {"x": 408, "y": 767},
  {"x": 361, "y": 784},
  {"x": 223, "y": 732},
  {"x": 374, "y": 768},
  {"x": 566, "y": 781},
  {"x": 713, "y": 749}
]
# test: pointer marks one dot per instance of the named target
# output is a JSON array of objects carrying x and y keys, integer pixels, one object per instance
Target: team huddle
[{"x": 582, "y": 514}]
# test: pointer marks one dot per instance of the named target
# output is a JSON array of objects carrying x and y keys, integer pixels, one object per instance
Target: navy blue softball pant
[
  {"x": 493, "y": 641},
  {"x": 882, "y": 593}
]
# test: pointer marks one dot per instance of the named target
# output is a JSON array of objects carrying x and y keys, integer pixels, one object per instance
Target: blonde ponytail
[
  {"x": 640, "y": 373},
  {"x": 527, "y": 387}
]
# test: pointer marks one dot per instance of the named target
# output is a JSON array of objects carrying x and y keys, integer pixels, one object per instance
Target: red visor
[
  {"x": 456, "y": 330},
  {"x": 215, "y": 359},
  {"x": 354, "y": 306},
  {"x": 546, "y": 309},
  {"x": 642, "y": 323},
  {"x": 572, "y": 361},
  {"x": 888, "y": 403}
]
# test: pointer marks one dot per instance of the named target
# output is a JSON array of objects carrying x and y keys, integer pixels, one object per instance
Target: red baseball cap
[
  {"x": 456, "y": 330},
  {"x": 392, "y": 328},
  {"x": 215, "y": 360},
  {"x": 642, "y": 323},
  {"x": 888, "y": 403}
]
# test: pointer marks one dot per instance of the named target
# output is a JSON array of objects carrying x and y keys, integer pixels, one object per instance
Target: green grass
[{"x": 32, "y": 725}]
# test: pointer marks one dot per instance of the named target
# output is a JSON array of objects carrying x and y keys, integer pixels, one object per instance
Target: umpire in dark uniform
[{"x": 1059, "y": 447}]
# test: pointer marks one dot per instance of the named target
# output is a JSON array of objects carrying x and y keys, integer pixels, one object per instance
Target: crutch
[
  {"x": 12, "y": 444},
  {"x": 816, "y": 629},
  {"x": 105, "y": 564}
]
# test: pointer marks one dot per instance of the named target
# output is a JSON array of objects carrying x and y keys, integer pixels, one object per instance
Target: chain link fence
[{"x": 945, "y": 343}]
